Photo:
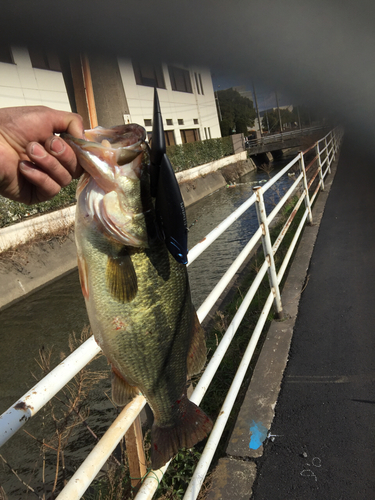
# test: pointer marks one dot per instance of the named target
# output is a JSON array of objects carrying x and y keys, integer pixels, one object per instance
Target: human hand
[{"x": 34, "y": 163}]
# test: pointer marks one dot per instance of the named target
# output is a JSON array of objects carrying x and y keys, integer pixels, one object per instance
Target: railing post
[
  {"x": 306, "y": 188},
  {"x": 135, "y": 452},
  {"x": 334, "y": 143},
  {"x": 327, "y": 155},
  {"x": 320, "y": 167},
  {"x": 267, "y": 249}
]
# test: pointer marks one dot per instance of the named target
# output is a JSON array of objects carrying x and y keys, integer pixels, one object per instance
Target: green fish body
[{"x": 137, "y": 295}]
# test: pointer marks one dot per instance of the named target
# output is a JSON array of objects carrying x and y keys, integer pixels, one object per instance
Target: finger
[
  {"x": 48, "y": 164},
  {"x": 64, "y": 154},
  {"x": 71, "y": 123},
  {"x": 45, "y": 188}
]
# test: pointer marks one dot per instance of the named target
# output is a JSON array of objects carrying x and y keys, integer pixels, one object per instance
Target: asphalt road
[{"x": 324, "y": 427}]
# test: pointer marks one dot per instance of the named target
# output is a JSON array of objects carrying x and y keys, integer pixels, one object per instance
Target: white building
[
  {"x": 31, "y": 76},
  {"x": 186, "y": 98},
  {"x": 24, "y": 83}
]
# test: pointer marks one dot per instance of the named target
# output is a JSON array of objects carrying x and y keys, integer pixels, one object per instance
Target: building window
[
  {"x": 149, "y": 75},
  {"x": 169, "y": 138},
  {"x": 190, "y": 135},
  {"x": 6, "y": 55},
  {"x": 180, "y": 79},
  {"x": 209, "y": 132},
  {"x": 196, "y": 121},
  {"x": 180, "y": 121},
  {"x": 205, "y": 133},
  {"x": 169, "y": 121},
  {"x": 198, "y": 83},
  {"x": 148, "y": 123},
  {"x": 44, "y": 59}
]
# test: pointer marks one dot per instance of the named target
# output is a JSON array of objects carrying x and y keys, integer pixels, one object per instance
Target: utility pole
[
  {"x": 278, "y": 109},
  {"x": 218, "y": 104},
  {"x": 268, "y": 123},
  {"x": 257, "y": 108},
  {"x": 299, "y": 119}
]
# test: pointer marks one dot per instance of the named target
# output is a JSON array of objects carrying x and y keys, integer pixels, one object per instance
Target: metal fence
[{"x": 309, "y": 179}]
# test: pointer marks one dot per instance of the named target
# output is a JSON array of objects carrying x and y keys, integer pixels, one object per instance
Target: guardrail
[{"x": 26, "y": 407}]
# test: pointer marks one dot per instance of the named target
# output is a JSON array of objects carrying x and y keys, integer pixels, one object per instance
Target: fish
[{"x": 137, "y": 294}]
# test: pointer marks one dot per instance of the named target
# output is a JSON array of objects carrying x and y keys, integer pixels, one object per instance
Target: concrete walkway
[{"x": 320, "y": 444}]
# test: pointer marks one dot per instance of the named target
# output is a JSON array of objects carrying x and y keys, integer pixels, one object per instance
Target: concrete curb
[
  {"x": 20, "y": 233},
  {"x": 208, "y": 168},
  {"x": 259, "y": 404},
  {"x": 41, "y": 264}
]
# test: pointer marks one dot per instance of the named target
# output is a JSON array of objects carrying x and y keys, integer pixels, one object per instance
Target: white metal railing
[{"x": 27, "y": 406}]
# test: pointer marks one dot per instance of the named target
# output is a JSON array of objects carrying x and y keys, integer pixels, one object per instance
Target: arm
[{"x": 34, "y": 163}]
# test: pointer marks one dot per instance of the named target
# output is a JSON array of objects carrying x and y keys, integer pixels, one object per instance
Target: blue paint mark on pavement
[{"x": 258, "y": 435}]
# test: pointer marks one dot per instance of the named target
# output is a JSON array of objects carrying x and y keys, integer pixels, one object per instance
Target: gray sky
[{"x": 315, "y": 51}]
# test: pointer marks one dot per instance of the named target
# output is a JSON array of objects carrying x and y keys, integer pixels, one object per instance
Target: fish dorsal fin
[
  {"x": 122, "y": 391},
  {"x": 197, "y": 352},
  {"x": 121, "y": 278}
]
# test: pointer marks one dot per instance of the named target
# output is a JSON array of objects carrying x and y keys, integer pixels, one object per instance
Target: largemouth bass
[{"x": 137, "y": 295}]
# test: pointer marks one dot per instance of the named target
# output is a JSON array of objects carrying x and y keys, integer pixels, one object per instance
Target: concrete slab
[
  {"x": 34, "y": 267},
  {"x": 232, "y": 480}
]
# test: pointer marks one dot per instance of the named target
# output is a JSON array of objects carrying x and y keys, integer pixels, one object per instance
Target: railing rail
[{"x": 27, "y": 406}]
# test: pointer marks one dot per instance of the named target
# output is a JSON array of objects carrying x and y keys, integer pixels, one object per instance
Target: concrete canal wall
[{"x": 32, "y": 266}]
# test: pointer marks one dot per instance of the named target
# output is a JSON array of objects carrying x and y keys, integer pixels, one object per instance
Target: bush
[{"x": 192, "y": 154}]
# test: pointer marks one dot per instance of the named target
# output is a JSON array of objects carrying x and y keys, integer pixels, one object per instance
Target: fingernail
[
  {"x": 38, "y": 151},
  {"x": 57, "y": 145},
  {"x": 26, "y": 167}
]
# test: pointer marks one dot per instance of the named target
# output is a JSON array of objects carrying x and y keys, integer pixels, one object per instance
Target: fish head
[{"x": 113, "y": 191}]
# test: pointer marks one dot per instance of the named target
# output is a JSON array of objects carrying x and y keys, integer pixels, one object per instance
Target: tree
[
  {"x": 237, "y": 112},
  {"x": 272, "y": 119}
]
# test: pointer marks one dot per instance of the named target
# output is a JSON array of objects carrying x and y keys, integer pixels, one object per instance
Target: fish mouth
[
  {"x": 105, "y": 153},
  {"x": 120, "y": 138}
]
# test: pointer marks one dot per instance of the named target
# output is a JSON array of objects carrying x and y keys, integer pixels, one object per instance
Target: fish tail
[{"x": 191, "y": 427}]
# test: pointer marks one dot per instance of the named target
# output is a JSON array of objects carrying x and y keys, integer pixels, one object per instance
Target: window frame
[
  {"x": 180, "y": 79},
  {"x": 141, "y": 79}
]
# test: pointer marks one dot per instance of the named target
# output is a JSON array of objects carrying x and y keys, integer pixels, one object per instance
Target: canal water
[{"x": 48, "y": 317}]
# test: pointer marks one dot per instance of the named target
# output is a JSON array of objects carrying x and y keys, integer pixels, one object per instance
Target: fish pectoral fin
[
  {"x": 121, "y": 278},
  {"x": 122, "y": 391},
  {"x": 83, "y": 275},
  {"x": 190, "y": 428},
  {"x": 197, "y": 352}
]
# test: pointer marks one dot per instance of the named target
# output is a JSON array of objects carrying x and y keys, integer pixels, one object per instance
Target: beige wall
[{"x": 23, "y": 85}]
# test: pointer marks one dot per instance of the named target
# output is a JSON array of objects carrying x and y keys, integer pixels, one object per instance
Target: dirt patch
[{"x": 19, "y": 256}]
